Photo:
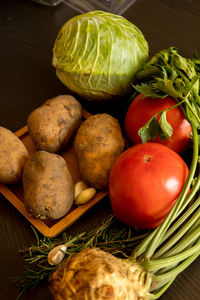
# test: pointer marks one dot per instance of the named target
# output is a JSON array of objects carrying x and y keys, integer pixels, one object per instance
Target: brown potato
[
  {"x": 52, "y": 125},
  {"x": 48, "y": 186},
  {"x": 13, "y": 155},
  {"x": 98, "y": 143}
]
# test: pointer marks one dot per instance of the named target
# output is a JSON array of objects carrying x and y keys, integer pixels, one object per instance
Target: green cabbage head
[{"x": 97, "y": 54}]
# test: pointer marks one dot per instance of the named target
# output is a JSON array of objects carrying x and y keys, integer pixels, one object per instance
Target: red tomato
[
  {"x": 143, "y": 108},
  {"x": 144, "y": 183}
]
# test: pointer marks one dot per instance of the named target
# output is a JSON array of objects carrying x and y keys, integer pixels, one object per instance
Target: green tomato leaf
[
  {"x": 166, "y": 129},
  {"x": 149, "y": 130}
]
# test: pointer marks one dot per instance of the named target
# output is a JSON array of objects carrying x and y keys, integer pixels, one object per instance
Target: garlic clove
[
  {"x": 79, "y": 187},
  {"x": 85, "y": 196},
  {"x": 56, "y": 254}
]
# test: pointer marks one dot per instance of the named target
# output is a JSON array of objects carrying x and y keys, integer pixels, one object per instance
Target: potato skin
[
  {"x": 13, "y": 155},
  {"x": 52, "y": 125},
  {"x": 98, "y": 143},
  {"x": 48, "y": 186}
]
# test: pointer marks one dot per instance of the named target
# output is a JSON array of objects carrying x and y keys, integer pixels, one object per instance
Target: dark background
[{"x": 27, "y": 79}]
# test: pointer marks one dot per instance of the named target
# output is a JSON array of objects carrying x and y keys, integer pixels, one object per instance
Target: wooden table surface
[{"x": 27, "y": 79}]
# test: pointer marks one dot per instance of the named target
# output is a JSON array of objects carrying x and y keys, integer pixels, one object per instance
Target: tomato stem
[{"x": 147, "y": 158}]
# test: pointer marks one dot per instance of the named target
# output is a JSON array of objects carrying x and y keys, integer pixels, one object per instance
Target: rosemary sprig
[{"x": 109, "y": 235}]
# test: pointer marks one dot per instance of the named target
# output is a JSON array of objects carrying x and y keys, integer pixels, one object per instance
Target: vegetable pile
[
  {"x": 172, "y": 246},
  {"x": 174, "y": 203}
]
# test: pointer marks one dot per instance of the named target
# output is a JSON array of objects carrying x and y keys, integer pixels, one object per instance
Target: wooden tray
[{"x": 14, "y": 193}]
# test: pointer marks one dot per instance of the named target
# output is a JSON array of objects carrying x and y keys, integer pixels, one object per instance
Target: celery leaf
[
  {"x": 149, "y": 130},
  {"x": 166, "y": 128}
]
